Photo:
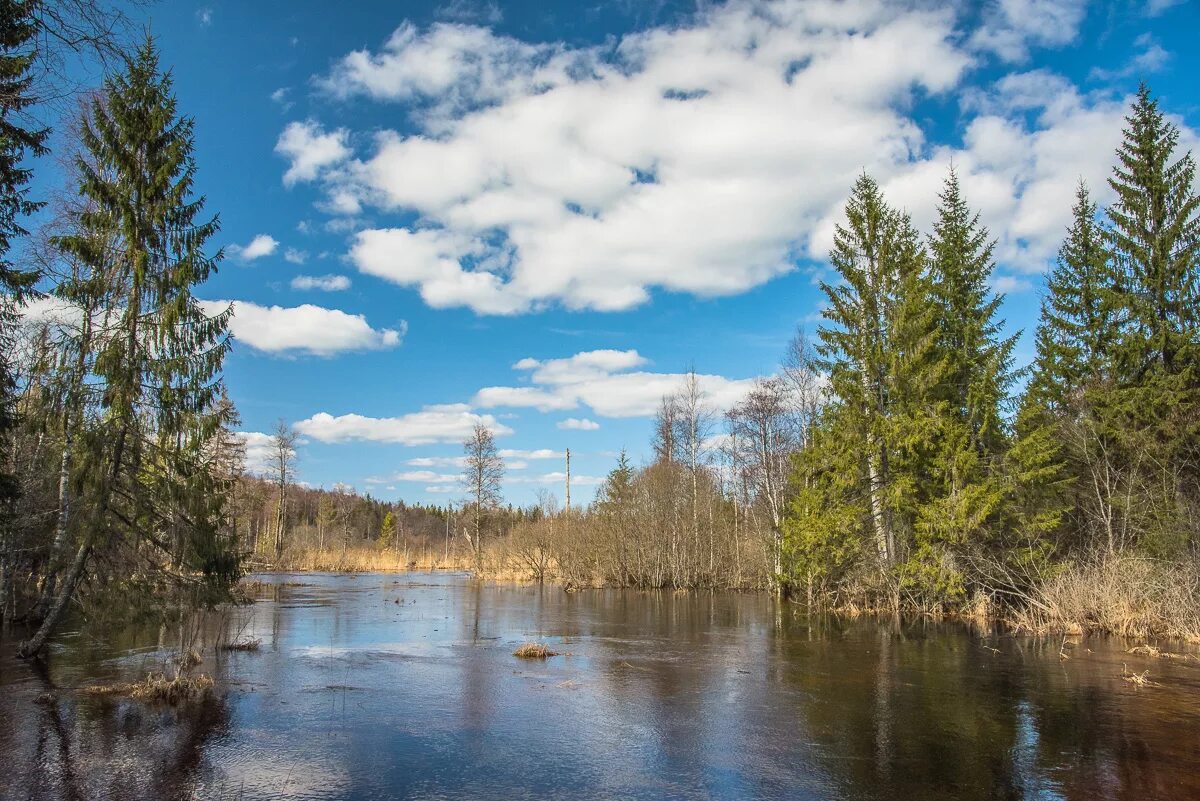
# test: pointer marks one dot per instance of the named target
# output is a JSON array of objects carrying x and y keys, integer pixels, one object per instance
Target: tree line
[{"x": 902, "y": 460}]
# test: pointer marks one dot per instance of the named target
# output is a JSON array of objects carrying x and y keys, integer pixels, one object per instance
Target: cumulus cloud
[
  {"x": 258, "y": 451},
  {"x": 433, "y": 424},
  {"x": 1150, "y": 57},
  {"x": 540, "y": 453},
  {"x": 556, "y": 478},
  {"x": 258, "y": 247},
  {"x": 295, "y": 256},
  {"x": 438, "y": 461},
  {"x": 605, "y": 382},
  {"x": 310, "y": 150},
  {"x": 303, "y": 329},
  {"x": 705, "y": 158},
  {"x": 1010, "y": 27},
  {"x": 325, "y": 283},
  {"x": 577, "y": 424}
]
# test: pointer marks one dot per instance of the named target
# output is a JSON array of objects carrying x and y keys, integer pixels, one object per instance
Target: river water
[{"x": 405, "y": 686}]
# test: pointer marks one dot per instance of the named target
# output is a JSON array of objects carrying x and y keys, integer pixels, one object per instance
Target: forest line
[{"x": 897, "y": 461}]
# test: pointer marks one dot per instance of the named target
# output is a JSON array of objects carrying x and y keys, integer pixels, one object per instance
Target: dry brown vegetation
[
  {"x": 156, "y": 688},
  {"x": 368, "y": 558},
  {"x": 242, "y": 645},
  {"x": 534, "y": 650},
  {"x": 1124, "y": 595}
]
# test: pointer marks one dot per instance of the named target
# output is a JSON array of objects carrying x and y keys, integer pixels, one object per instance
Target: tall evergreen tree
[
  {"x": 878, "y": 352},
  {"x": 1076, "y": 332},
  {"x": 158, "y": 355},
  {"x": 978, "y": 358},
  {"x": 1155, "y": 243},
  {"x": 1151, "y": 415},
  {"x": 19, "y": 139}
]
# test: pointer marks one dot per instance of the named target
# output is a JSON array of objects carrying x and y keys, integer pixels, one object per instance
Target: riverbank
[{"x": 1124, "y": 596}]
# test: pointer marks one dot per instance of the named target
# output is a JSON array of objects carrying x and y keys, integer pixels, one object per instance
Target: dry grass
[
  {"x": 242, "y": 645},
  {"x": 534, "y": 650},
  {"x": 1138, "y": 679},
  {"x": 1122, "y": 595},
  {"x": 156, "y": 688},
  {"x": 367, "y": 560},
  {"x": 1151, "y": 651}
]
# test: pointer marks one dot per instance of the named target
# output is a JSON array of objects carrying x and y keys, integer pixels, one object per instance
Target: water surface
[{"x": 404, "y": 686}]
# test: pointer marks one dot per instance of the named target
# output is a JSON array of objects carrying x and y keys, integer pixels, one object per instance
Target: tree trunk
[
  {"x": 60, "y": 531},
  {"x": 35, "y": 644}
]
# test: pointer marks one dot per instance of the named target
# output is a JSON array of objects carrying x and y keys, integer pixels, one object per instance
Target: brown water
[{"x": 404, "y": 686}]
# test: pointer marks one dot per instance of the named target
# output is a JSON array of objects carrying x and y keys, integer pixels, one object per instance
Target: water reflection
[{"x": 405, "y": 686}]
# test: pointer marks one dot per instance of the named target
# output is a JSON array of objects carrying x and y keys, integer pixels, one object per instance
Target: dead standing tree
[
  {"x": 483, "y": 474},
  {"x": 281, "y": 470}
]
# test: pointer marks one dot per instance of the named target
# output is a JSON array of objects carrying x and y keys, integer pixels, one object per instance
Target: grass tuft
[
  {"x": 242, "y": 645},
  {"x": 534, "y": 650}
]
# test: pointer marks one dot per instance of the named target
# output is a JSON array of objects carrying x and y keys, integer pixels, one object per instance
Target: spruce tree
[
  {"x": 18, "y": 140},
  {"x": 158, "y": 357},
  {"x": 1076, "y": 332},
  {"x": 978, "y": 359},
  {"x": 1150, "y": 418},
  {"x": 1155, "y": 243},
  {"x": 878, "y": 353}
]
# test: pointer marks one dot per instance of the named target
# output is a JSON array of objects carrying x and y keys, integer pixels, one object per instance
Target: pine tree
[
  {"x": 158, "y": 356},
  {"x": 1076, "y": 332}
]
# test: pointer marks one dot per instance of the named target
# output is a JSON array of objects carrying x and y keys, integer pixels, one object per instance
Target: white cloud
[
  {"x": 295, "y": 256},
  {"x": 1011, "y": 26},
  {"x": 1008, "y": 284},
  {"x": 53, "y": 312},
  {"x": 258, "y": 247},
  {"x": 204, "y": 16},
  {"x": 438, "y": 461},
  {"x": 578, "y": 424},
  {"x": 1156, "y": 7},
  {"x": 690, "y": 160},
  {"x": 1149, "y": 58},
  {"x": 540, "y": 453},
  {"x": 704, "y": 158},
  {"x": 601, "y": 380},
  {"x": 433, "y": 424},
  {"x": 258, "y": 447},
  {"x": 556, "y": 478},
  {"x": 427, "y": 476},
  {"x": 310, "y": 150},
  {"x": 325, "y": 283},
  {"x": 303, "y": 329}
]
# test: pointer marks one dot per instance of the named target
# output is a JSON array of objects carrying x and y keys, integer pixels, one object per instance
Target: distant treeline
[{"x": 341, "y": 522}]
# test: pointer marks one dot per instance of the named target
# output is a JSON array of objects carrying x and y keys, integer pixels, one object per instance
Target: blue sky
[{"x": 535, "y": 213}]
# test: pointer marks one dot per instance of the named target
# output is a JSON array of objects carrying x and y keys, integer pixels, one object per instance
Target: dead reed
[
  {"x": 242, "y": 645},
  {"x": 534, "y": 650},
  {"x": 155, "y": 688}
]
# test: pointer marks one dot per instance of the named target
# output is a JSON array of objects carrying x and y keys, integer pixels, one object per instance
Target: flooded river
[{"x": 405, "y": 686}]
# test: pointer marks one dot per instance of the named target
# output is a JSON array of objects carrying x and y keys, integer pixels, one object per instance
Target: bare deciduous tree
[
  {"x": 281, "y": 469},
  {"x": 482, "y": 476},
  {"x": 763, "y": 432}
]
